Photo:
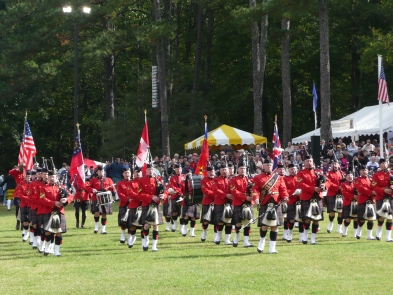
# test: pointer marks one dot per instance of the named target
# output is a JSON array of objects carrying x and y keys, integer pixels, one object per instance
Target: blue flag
[{"x": 315, "y": 98}]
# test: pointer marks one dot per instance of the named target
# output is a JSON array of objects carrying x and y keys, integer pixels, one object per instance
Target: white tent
[{"x": 362, "y": 122}]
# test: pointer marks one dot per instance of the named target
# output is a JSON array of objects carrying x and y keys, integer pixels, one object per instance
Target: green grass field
[{"x": 99, "y": 264}]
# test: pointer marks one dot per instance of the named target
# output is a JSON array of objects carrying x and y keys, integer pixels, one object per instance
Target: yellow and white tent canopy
[{"x": 226, "y": 135}]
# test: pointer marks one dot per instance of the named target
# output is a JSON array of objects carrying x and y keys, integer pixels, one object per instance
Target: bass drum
[{"x": 196, "y": 195}]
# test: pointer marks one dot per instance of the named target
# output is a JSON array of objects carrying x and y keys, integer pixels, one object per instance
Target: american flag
[
  {"x": 276, "y": 146},
  {"x": 27, "y": 148},
  {"x": 382, "y": 87}
]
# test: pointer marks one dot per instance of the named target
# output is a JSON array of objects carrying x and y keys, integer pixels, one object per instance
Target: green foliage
[{"x": 37, "y": 69}]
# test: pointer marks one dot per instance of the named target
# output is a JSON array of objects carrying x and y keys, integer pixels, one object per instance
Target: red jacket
[
  {"x": 17, "y": 175},
  {"x": 49, "y": 194},
  {"x": 238, "y": 186},
  {"x": 291, "y": 185},
  {"x": 381, "y": 181},
  {"x": 36, "y": 197},
  {"x": 147, "y": 190},
  {"x": 334, "y": 181},
  {"x": 348, "y": 191},
  {"x": 82, "y": 194},
  {"x": 21, "y": 193},
  {"x": 177, "y": 183},
  {"x": 136, "y": 199},
  {"x": 365, "y": 191},
  {"x": 277, "y": 192},
  {"x": 220, "y": 186},
  {"x": 307, "y": 181},
  {"x": 207, "y": 190}
]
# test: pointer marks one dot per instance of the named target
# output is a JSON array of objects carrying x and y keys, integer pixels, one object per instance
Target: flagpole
[
  {"x": 24, "y": 139},
  {"x": 381, "y": 148}
]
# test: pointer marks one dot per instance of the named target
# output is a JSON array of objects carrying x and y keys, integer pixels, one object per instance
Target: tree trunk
[
  {"x": 326, "y": 128},
  {"x": 109, "y": 86},
  {"x": 109, "y": 78},
  {"x": 162, "y": 84},
  {"x": 209, "y": 43},
  {"x": 258, "y": 44},
  {"x": 286, "y": 81}
]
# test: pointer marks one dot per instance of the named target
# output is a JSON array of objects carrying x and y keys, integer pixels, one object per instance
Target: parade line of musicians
[{"x": 294, "y": 200}]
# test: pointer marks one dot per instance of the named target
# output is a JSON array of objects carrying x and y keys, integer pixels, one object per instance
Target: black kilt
[
  {"x": 46, "y": 217},
  {"x": 120, "y": 215},
  {"x": 193, "y": 211},
  {"x": 144, "y": 212},
  {"x": 84, "y": 205},
  {"x": 330, "y": 203},
  {"x": 131, "y": 215},
  {"x": 291, "y": 212},
  {"x": 106, "y": 209},
  {"x": 346, "y": 211},
  {"x": 263, "y": 208},
  {"x": 305, "y": 205},
  {"x": 165, "y": 208},
  {"x": 33, "y": 216},
  {"x": 24, "y": 214},
  {"x": 206, "y": 208}
]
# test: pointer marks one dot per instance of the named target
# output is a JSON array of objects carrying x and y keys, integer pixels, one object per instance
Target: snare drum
[{"x": 104, "y": 198}]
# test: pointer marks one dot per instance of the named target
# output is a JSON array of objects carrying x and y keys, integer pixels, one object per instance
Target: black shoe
[
  {"x": 77, "y": 224},
  {"x": 122, "y": 241},
  {"x": 378, "y": 238},
  {"x": 17, "y": 225},
  {"x": 34, "y": 248},
  {"x": 313, "y": 243},
  {"x": 358, "y": 237},
  {"x": 46, "y": 253},
  {"x": 96, "y": 231},
  {"x": 329, "y": 231},
  {"x": 259, "y": 251},
  {"x": 104, "y": 233},
  {"x": 304, "y": 242},
  {"x": 234, "y": 245},
  {"x": 173, "y": 230},
  {"x": 130, "y": 246},
  {"x": 145, "y": 248},
  {"x": 83, "y": 226},
  {"x": 249, "y": 246},
  {"x": 217, "y": 242},
  {"x": 289, "y": 241},
  {"x": 202, "y": 240},
  {"x": 30, "y": 243}
]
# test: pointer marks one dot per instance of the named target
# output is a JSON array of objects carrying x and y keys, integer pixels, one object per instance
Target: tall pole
[
  {"x": 76, "y": 81},
  {"x": 381, "y": 147}
]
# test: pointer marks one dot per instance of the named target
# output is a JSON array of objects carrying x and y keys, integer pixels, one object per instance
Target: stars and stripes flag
[
  {"x": 143, "y": 149},
  {"x": 77, "y": 167},
  {"x": 204, "y": 157},
  {"x": 27, "y": 149},
  {"x": 276, "y": 147},
  {"x": 382, "y": 87}
]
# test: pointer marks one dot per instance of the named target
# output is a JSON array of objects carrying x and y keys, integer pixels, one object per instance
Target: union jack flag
[{"x": 276, "y": 147}]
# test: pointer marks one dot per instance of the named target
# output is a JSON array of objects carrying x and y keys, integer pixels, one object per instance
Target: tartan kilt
[
  {"x": 175, "y": 207},
  {"x": 144, "y": 213},
  {"x": 217, "y": 213},
  {"x": 120, "y": 215},
  {"x": 10, "y": 194},
  {"x": 330, "y": 203},
  {"x": 237, "y": 213},
  {"x": 378, "y": 205},
  {"x": 46, "y": 217},
  {"x": 291, "y": 212},
  {"x": 305, "y": 205},
  {"x": 262, "y": 209},
  {"x": 165, "y": 208},
  {"x": 206, "y": 208},
  {"x": 24, "y": 214},
  {"x": 361, "y": 210},
  {"x": 346, "y": 211},
  {"x": 107, "y": 208},
  {"x": 84, "y": 205},
  {"x": 33, "y": 216},
  {"x": 131, "y": 215},
  {"x": 193, "y": 211}
]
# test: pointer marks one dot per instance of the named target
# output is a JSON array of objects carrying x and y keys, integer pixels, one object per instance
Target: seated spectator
[
  {"x": 352, "y": 148},
  {"x": 373, "y": 164},
  {"x": 187, "y": 168},
  {"x": 290, "y": 149},
  {"x": 344, "y": 163},
  {"x": 368, "y": 146}
]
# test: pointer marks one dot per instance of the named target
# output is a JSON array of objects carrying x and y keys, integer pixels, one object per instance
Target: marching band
[{"x": 298, "y": 193}]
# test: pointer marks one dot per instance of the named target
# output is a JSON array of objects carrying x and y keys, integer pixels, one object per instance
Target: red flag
[
  {"x": 204, "y": 157},
  {"x": 143, "y": 149},
  {"x": 27, "y": 148},
  {"x": 77, "y": 167}
]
